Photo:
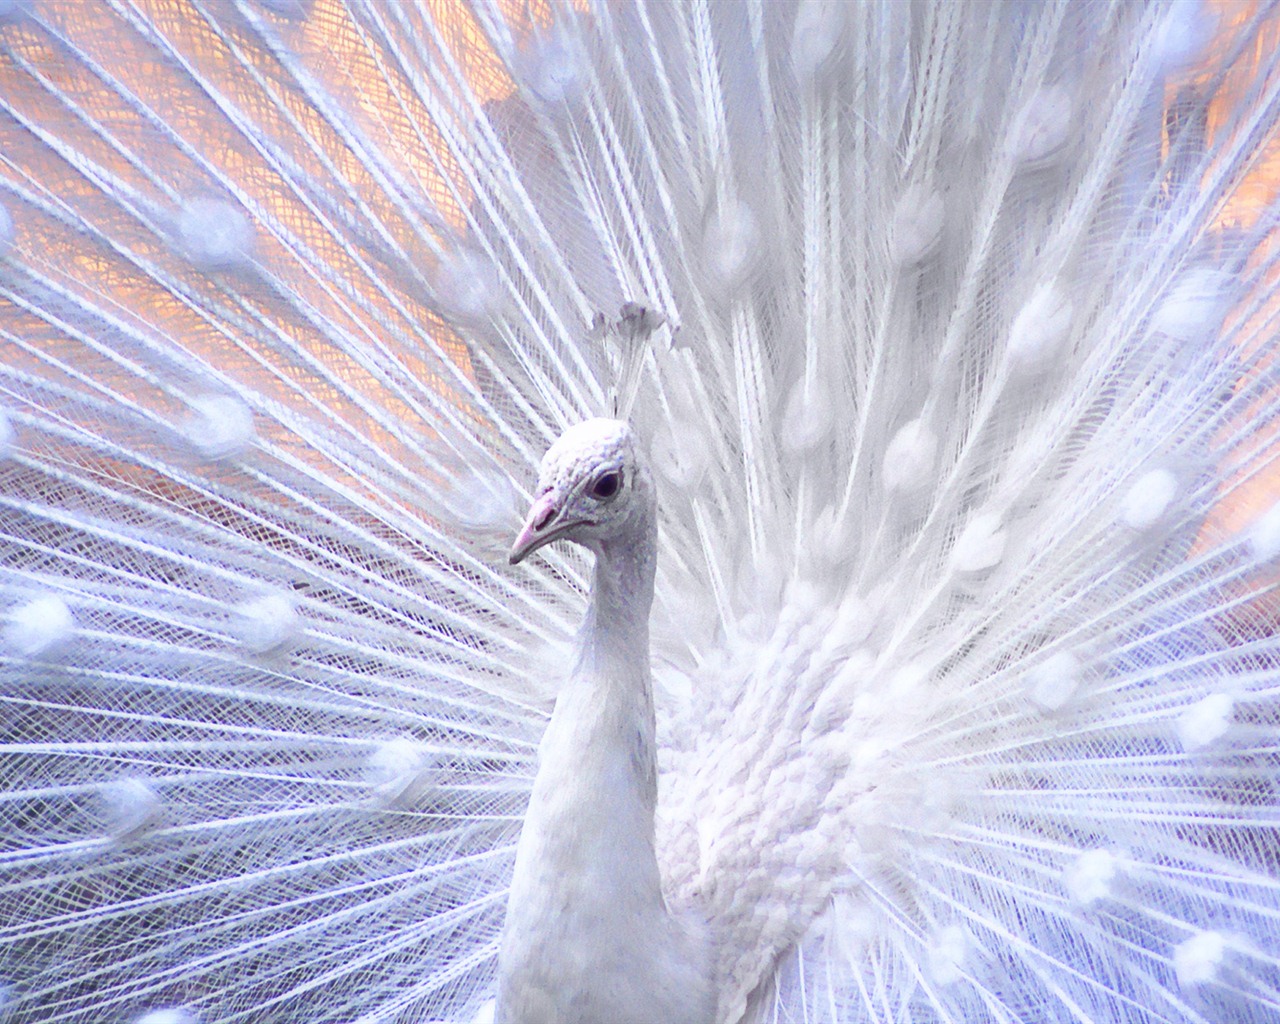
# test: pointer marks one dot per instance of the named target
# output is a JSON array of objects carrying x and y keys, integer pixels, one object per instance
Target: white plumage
[
  {"x": 588, "y": 934},
  {"x": 948, "y": 333}
]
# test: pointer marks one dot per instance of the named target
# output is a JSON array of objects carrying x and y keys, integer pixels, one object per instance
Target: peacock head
[{"x": 593, "y": 488}]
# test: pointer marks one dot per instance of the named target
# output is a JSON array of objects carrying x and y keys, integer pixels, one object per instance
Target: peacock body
[{"x": 949, "y": 332}]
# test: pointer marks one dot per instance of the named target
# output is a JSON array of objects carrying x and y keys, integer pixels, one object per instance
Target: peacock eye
[{"x": 606, "y": 485}]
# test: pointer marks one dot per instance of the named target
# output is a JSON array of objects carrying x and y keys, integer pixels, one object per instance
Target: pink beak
[{"x": 536, "y": 530}]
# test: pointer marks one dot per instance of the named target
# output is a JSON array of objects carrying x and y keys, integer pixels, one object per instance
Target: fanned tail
[
  {"x": 950, "y": 330},
  {"x": 269, "y": 721}
]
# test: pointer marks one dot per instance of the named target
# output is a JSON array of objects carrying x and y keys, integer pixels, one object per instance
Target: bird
[
  {"x": 740, "y": 512},
  {"x": 586, "y": 874}
]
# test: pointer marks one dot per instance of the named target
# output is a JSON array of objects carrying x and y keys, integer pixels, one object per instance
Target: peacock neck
[
  {"x": 614, "y": 640},
  {"x": 588, "y": 936},
  {"x": 607, "y": 702}
]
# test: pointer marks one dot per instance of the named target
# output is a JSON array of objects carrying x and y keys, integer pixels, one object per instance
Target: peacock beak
[{"x": 541, "y": 526}]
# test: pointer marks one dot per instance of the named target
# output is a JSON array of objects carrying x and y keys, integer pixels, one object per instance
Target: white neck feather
[
  {"x": 614, "y": 641},
  {"x": 588, "y": 935}
]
